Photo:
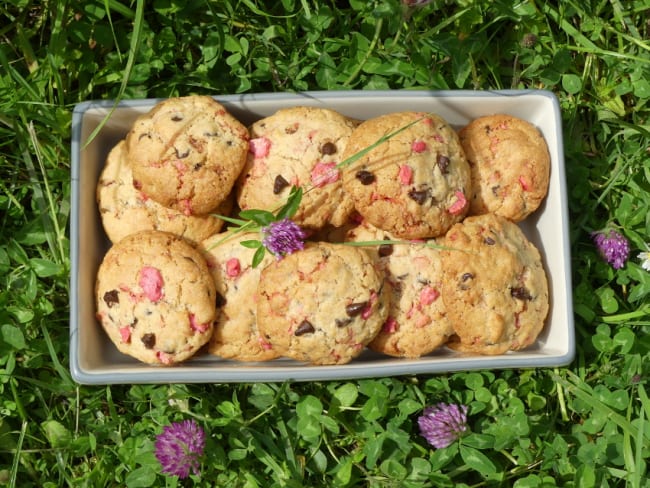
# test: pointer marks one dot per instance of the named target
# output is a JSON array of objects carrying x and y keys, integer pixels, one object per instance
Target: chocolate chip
[
  {"x": 197, "y": 166},
  {"x": 220, "y": 300},
  {"x": 385, "y": 250},
  {"x": 489, "y": 241},
  {"x": 342, "y": 322},
  {"x": 521, "y": 293},
  {"x": 328, "y": 148},
  {"x": 443, "y": 163},
  {"x": 177, "y": 117},
  {"x": 420, "y": 196},
  {"x": 305, "y": 327},
  {"x": 495, "y": 190},
  {"x": 279, "y": 184},
  {"x": 211, "y": 134},
  {"x": 354, "y": 309},
  {"x": 182, "y": 155},
  {"x": 111, "y": 298},
  {"x": 365, "y": 177},
  {"x": 290, "y": 129},
  {"x": 149, "y": 340},
  {"x": 466, "y": 277}
]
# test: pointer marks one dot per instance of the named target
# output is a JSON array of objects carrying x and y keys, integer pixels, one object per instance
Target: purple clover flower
[
  {"x": 283, "y": 237},
  {"x": 443, "y": 423},
  {"x": 612, "y": 246},
  {"x": 179, "y": 448}
]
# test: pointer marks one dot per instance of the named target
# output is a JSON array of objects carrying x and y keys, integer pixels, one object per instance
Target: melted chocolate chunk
[
  {"x": 385, "y": 250},
  {"x": 420, "y": 196},
  {"x": 354, "y": 309},
  {"x": 443, "y": 163},
  {"x": 149, "y": 340},
  {"x": 279, "y": 184},
  {"x": 111, "y": 298},
  {"x": 328, "y": 148},
  {"x": 365, "y": 177},
  {"x": 342, "y": 322},
  {"x": 182, "y": 155},
  {"x": 220, "y": 300},
  {"x": 521, "y": 293},
  {"x": 466, "y": 277},
  {"x": 305, "y": 327}
]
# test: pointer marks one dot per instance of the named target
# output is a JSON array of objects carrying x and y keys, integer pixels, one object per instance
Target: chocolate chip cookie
[
  {"x": 321, "y": 305},
  {"x": 414, "y": 185},
  {"x": 125, "y": 210},
  {"x": 186, "y": 153},
  {"x": 155, "y": 297},
  {"x": 510, "y": 165},
  {"x": 495, "y": 288}
]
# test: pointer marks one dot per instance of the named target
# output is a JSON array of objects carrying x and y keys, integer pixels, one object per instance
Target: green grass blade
[{"x": 136, "y": 38}]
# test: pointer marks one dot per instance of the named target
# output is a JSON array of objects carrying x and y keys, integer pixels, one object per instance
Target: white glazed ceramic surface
[{"x": 94, "y": 359}]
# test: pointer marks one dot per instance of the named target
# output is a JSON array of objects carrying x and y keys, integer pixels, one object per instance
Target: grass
[{"x": 583, "y": 425}]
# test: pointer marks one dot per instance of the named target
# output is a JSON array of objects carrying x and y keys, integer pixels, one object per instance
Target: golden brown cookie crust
[
  {"x": 416, "y": 184},
  {"x": 510, "y": 165},
  {"x": 417, "y": 322},
  {"x": 155, "y": 297},
  {"x": 186, "y": 153},
  {"x": 321, "y": 305},
  {"x": 125, "y": 210},
  {"x": 298, "y": 146},
  {"x": 495, "y": 288},
  {"x": 236, "y": 335}
]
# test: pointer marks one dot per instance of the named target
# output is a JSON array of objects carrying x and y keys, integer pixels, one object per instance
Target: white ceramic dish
[{"x": 94, "y": 360}]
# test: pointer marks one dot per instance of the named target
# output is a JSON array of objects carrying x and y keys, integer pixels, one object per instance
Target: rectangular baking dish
[{"x": 94, "y": 359}]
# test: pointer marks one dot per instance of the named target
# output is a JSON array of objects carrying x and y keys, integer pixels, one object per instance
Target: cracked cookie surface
[
  {"x": 236, "y": 334},
  {"x": 298, "y": 146},
  {"x": 125, "y": 210},
  {"x": 321, "y": 305},
  {"x": 186, "y": 153},
  {"x": 155, "y": 297},
  {"x": 414, "y": 185},
  {"x": 417, "y": 322},
  {"x": 510, "y": 165},
  {"x": 495, "y": 288}
]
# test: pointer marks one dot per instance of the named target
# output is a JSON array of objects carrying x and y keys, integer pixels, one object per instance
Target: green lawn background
[{"x": 583, "y": 425}]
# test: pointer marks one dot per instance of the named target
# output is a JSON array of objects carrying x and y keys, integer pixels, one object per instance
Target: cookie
[
  {"x": 125, "y": 210},
  {"x": 155, "y": 297},
  {"x": 186, "y": 153},
  {"x": 321, "y": 305},
  {"x": 414, "y": 185},
  {"x": 417, "y": 322},
  {"x": 510, "y": 166},
  {"x": 235, "y": 333},
  {"x": 298, "y": 146},
  {"x": 495, "y": 288}
]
